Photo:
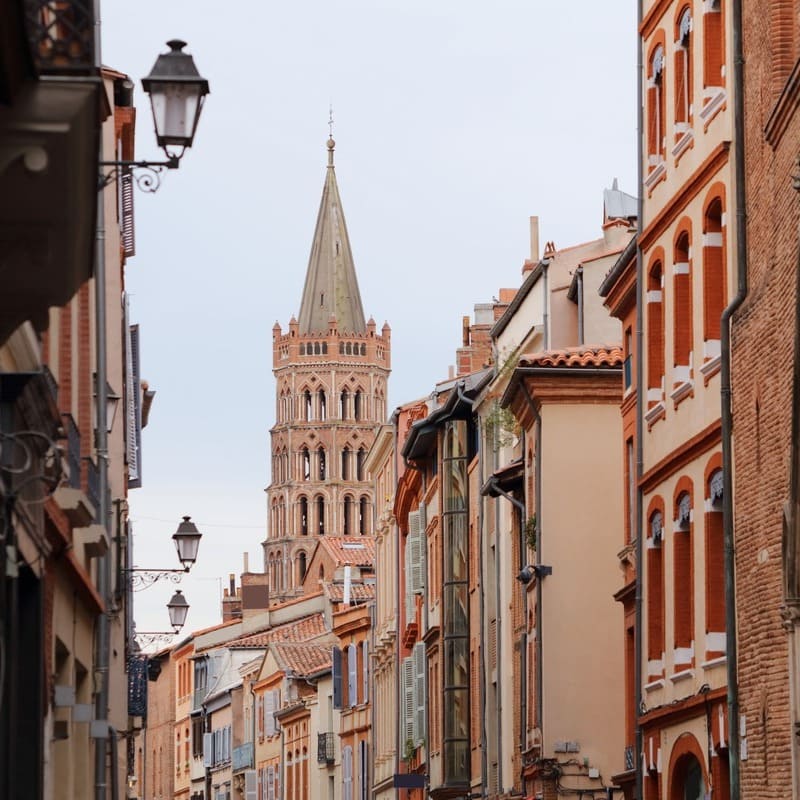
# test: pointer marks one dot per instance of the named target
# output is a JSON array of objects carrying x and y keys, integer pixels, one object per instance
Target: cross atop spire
[{"x": 331, "y": 287}]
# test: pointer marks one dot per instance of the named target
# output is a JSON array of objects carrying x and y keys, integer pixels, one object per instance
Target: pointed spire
[{"x": 331, "y": 285}]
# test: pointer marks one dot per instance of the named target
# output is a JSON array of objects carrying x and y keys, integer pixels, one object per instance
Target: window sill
[
  {"x": 685, "y": 142},
  {"x": 654, "y": 685},
  {"x": 681, "y": 392},
  {"x": 714, "y": 662},
  {"x": 710, "y": 368},
  {"x": 654, "y": 414},
  {"x": 657, "y": 174},
  {"x": 713, "y": 103},
  {"x": 677, "y": 677}
]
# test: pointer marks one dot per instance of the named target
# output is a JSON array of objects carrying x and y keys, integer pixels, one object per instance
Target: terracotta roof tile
[
  {"x": 300, "y": 630},
  {"x": 303, "y": 659},
  {"x": 583, "y": 356},
  {"x": 358, "y": 551},
  {"x": 358, "y": 591}
]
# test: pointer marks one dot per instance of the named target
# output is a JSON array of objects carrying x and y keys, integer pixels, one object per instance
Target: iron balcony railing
[
  {"x": 243, "y": 757},
  {"x": 628, "y": 758},
  {"x": 61, "y": 35},
  {"x": 73, "y": 450},
  {"x": 326, "y": 753}
]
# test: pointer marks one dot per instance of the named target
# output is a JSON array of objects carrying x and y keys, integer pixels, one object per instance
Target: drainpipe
[
  {"x": 545, "y": 315},
  {"x": 638, "y": 744},
  {"x": 397, "y": 641},
  {"x": 537, "y": 475},
  {"x": 103, "y": 629},
  {"x": 579, "y": 276},
  {"x": 482, "y": 605},
  {"x": 727, "y": 410}
]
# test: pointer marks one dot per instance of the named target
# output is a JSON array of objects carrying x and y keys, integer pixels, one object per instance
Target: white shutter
[
  {"x": 415, "y": 544},
  {"x": 126, "y": 213},
  {"x": 269, "y": 713},
  {"x": 260, "y": 716},
  {"x": 352, "y": 676},
  {"x": 418, "y": 654},
  {"x": 133, "y": 409},
  {"x": 270, "y": 783},
  {"x": 409, "y": 591},
  {"x": 250, "y": 785},
  {"x": 408, "y": 701},
  {"x": 365, "y": 671},
  {"x": 208, "y": 749},
  {"x": 347, "y": 773}
]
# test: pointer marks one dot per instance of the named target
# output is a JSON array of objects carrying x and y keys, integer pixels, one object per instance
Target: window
[
  {"x": 683, "y": 73},
  {"x": 714, "y": 294},
  {"x": 343, "y": 403},
  {"x": 363, "y": 512},
  {"x": 348, "y": 514},
  {"x": 361, "y": 457},
  {"x": 357, "y": 403},
  {"x": 713, "y": 50},
  {"x": 627, "y": 366},
  {"x": 321, "y": 515},
  {"x": 307, "y": 412},
  {"x": 347, "y": 773},
  {"x": 655, "y": 108},
  {"x": 682, "y": 309},
  {"x": 304, "y": 516},
  {"x": 715, "y": 568},
  {"x": 655, "y": 596},
  {"x": 683, "y": 583},
  {"x": 323, "y": 404},
  {"x": 346, "y": 464},
  {"x": 322, "y": 463},
  {"x": 301, "y": 566},
  {"x": 352, "y": 675},
  {"x": 305, "y": 464},
  {"x": 655, "y": 334}
]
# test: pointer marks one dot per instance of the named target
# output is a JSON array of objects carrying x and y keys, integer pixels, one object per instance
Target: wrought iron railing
[
  {"x": 243, "y": 757},
  {"x": 326, "y": 753},
  {"x": 61, "y": 35},
  {"x": 73, "y": 450},
  {"x": 629, "y": 758}
]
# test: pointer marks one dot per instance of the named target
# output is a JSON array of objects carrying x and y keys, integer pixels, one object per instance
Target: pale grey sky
[{"x": 455, "y": 120}]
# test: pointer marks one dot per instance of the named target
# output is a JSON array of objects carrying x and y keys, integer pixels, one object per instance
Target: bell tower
[{"x": 331, "y": 372}]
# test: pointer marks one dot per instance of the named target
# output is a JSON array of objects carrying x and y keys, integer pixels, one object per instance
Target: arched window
[
  {"x": 303, "y": 515},
  {"x": 655, "y": 334},
  {"x": 683, "y": 583},
  {"x": 688, "y": 780},
  {"x": 345, "y": 463},
  {"x": 715, "y": 568},
  {"x": 714, "y": 294},
  {"x": 655, "y": 596},
  {"x": 322, "y": 463},
  {"x": 713, "y": 50},
  {"x": 307, "y": 412},
  {"x": 682, "y": 309},
  {"x": 323, "y": 405},
  {"x": 348, "y": 515},
  {"x": 357, "y": 405},
  {"x": 301, "y": 567},
  {"x": 361, "y": 457},
  {"x": 363, "y": 510},
  {"x": 683, "y": 72},
  {"x": 343, "y": 404},
  {"x": 656, "y": 145},
  {"x": 305, "y": 464},
  {"x": 321, "y": 515}
]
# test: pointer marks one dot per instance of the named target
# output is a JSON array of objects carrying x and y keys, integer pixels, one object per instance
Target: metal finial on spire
[{"x": 331, "y": 143}]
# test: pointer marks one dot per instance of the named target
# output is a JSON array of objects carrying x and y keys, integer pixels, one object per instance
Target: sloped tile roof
[
  {"x": 582, "y": 356},
  {"x": 358, "y": 591},
  {"x": 302, "y": 658},
  {"x": 300, "y": 630},
  {"x": 357, "y": 551}
]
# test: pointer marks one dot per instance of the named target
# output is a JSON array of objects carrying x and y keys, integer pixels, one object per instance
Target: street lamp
[
  {"x": 177, "y": 93},
  {"x": 187, "y": 541},
  {"x": 177, "y": 608}
]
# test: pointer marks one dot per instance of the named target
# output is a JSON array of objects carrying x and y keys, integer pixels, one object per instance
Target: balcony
[
  {"x": 73, "y": 451},
  {"x": 243, "y": 757},
  {"x": 92, "y": 482},
  {"x": 629, "y": 758},
  {"x": 326, "y": 751}
]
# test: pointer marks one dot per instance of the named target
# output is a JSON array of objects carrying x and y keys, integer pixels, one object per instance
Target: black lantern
[
  {"x": 177, "y": 92},
  {"x": 187, "y": 541},
  {"x": 178, "y": 608}
]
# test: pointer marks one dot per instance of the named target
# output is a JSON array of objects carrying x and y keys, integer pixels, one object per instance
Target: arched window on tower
[
  {"x": 307, "y": 411},
  {"x": 348, "y": 515},
  {"x": 303, "y": 515},
  {"x": 361, "y": 457},
  {"x": 343, "y": 403},
  {"x": 323, "y": 405},
  {"x": 345, "y": 464},
  {"x": 363, "y": 518},
  {"x": 321, "y": 515},
  {"x": 305, "y": 464},
  {"x": 322, "y": 463},
  {"x": 358, "y": 401},
  {"x": 301, "y": 567}
]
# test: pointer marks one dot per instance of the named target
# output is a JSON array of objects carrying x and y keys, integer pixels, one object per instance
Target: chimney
[
  {"x": 255, "y": 593},
  {"x": 535, "y": 239},
  {"x": 231, "y": 602},
  {"x": 246, "y": 560}
]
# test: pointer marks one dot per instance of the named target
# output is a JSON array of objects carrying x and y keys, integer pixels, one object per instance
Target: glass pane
[
  {"x": 454, "y": 490},
  {"x": 456, "y": 762},
  {"x": 456, "y": 663},
  {"x": 456, "y": 619},
  {"x": 455, "y": 542},
  {"x": 456, "y": 723},
  {"x": 455, "y": 439},
  {"x": 174, "y": 111}
]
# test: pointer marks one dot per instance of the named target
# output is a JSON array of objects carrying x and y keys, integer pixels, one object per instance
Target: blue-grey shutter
[
  {"x": 126, "y": 213},
  {"x": 336, "y": 659},
  {"x": 347, "y": 773},
  {"x": 418, "y": 654},
  {"x": 133, "y": 410},
  {"x": 250, "y": 785},
  {"x": 365, "y": 671},
  {"x": 352, "y": 675},
  {"x": 408, "y": 701}
]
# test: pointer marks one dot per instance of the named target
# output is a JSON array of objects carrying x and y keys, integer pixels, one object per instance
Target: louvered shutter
[
  {"x": 409, "y": 591},
  {"x": 133, "y": 405},
  {"x": 270, "y": 783},
  {"x": 352, "y": 675},
  {"x": 365, "y": 671},
  {"x": 408, "y": 700},
  {"x": 250, "y": 785},
  {"x": 260, "y": 715},
  {"x": 261, "y": 784},
  {"x": 276, "y": 779},
  {"x": 336, "y": 671},
  {"x": 208, "y": 749},
  {"x": 415, "y": 544},
  {"x": 128, "y": 230},
  {"x": 418, "y": 655},
  {"x": 347, "y": 773},
  {"x": 269, "y": 713}
]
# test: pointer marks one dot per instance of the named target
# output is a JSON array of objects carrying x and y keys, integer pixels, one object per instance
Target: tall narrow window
[
  {"x": 655, "y": 596},
  {"x": 321, "y": 515},
  {"x": 655, "y": 335},
  {"x": 345, "y": 463},
  {"x": 683, "y": 583},
  {"x": 321, "y": 460},
  {"x": 361, "y": 458},
  {"x": 323, "y": 404},
  {"x": 714, "y": 294},
  {"x": 307, "y": 411},
  {"x": 627, "y": 367},
  {"x": 358, "y": 400},
  {"x": 304, "y": 516},
  {"x": 715, "y": 570},
  {"x": 363, "y": 520},
  {"x": 348, "y": 514},
  {"x": 301, "y": 567},
  {"x": 655, "y": 108},
  {"x": 630, "y": 468},
  {"x": 305, "y": 464},
  {"x": 683, "y": 73},
  {"x": 682, "y": 310},
  {"x": 713, "y": 50}
]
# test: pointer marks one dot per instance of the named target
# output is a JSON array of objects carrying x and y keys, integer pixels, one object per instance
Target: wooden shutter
[
  {"x": 365, "y": 671},
  {"x": 408, "y": 701},
  {"x": 352, "y": 675},
  {"x": 260, "y": 716},
  {"x": 208, "y": 749},
  {"x": 347, "y": 773},
  {"x": 418, "y": 656},
  {"x": 415, "y": 544},
  {"x": 133, "y": 403},
  {"x": 269, "y": 713},
  {"x": 270, "y": 783},
  {"x": 128, "y": 230},
  {"x": 409, "y": 591},
  {"x": 250, "y": 785},
  {"x": 336, "y": 670}
]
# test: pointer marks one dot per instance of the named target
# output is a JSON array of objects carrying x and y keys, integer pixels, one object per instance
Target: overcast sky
[{"x": 454, "y": 121}]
